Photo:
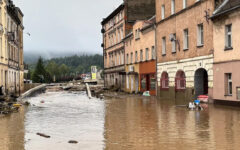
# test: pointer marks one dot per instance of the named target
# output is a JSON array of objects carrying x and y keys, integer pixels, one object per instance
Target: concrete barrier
[
  {"x": 28, "y": 86},
  {"x": 32, "y": 91}
]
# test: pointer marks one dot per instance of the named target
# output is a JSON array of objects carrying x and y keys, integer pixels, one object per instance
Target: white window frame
[
  {"x": 229, "y": 87},
  {"x": 228, "y": 36},
  {"x": 172, "y": 7},
  {"x": 153, "y": 53},
  {"x": 147, "y": 54},
  {"x": 200, "y": 35},
  {"x": 174, "y": 43},
  {"x": 141, "y": 55},
  {"x": 185, "y": 39},
  {"x": 163, "y": 11},
  {"x": 184, "y": 4}
]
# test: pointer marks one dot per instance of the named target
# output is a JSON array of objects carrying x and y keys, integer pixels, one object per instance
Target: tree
[
  {"x": 64, "y": 70},
  {"x": 40, "y": 75},
  {"x": 52, "y": 69}
]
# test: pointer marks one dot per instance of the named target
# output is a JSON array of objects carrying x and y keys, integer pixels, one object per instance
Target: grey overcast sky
[{"x": 64, "y": 25}]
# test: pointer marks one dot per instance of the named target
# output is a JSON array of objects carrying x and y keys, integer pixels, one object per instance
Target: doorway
[{"x": 201, "y": 82}]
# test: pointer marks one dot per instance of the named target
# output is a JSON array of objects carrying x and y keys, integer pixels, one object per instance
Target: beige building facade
[
  {"x": 184, "y": 34},
  {"x": 11, "y": 48},
  {"x": 140, "y": 56},
  {"x": 114, "y": 28},
  {"x": 226, "y": 21}
]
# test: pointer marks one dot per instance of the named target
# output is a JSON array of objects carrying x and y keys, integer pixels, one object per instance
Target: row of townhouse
[
  {"x": 185, "y": 49},
  {"x": 11, "y": 48}
]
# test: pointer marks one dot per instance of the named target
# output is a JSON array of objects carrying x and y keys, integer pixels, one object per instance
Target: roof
[
  {"x": 128, "y": 36},
  {"x": 149, "y": 23},
  {"x": 226, "y": 7},
  {"x": 113, "y": 14}
]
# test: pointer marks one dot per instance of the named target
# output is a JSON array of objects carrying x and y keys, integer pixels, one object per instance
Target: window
[
  {"x": 152, "y": 82},
  {"x": 153, "y": 53},
  {"x": 238, "y": 93},
  {"x": 141, "y": 55},
  {"x": 180, "y": 81},
  {"x": 173, "y": 40},
  {"x": 131, "y": 58},
  {"x": 164, "y": 81},
  {"x": 163, "y": 12},
  {"x": 164, "y": 46},
  {"x": 115, "y": 58},
  {"x": 184, "y": 4},
  {"x": 172, "y": 7},
  {"x": 127, "y": 82},
  {"x": 185, "y": 40},
  {"x": 122, "y": 57},
  {"x": 228, "y": 84},
  {"x": 143, "y": 82},
  {"x": 228, "y": 36},
  {"x": 121, "y": 33},
  {"x": 136, "y": 56},
  {"x": 200, "y": 35},
  {"x": 147, "y": 54},
  {"x": 127, "y": 58},
  {"x": 119, "y": 58},
  {"x": 137, "y": 34}
]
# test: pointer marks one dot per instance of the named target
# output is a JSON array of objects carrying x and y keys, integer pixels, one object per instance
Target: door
[
  {"x": 136, "y": 83},
  {"x": 148, "y": 82},
  {"x": 132, "y": 84},
  {"x": 6, "y": 81},
  {"x": 15, "y": 81}
]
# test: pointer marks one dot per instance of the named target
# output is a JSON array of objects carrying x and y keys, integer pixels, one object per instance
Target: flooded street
[{"x": 118, "y": 124}]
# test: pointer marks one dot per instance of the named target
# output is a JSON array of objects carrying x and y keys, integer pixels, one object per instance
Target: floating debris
[
  {"x": 43, "y": 135},
  {"x": 73, "y": 142}
]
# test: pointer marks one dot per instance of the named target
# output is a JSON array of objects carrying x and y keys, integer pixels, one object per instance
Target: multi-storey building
[
  {"x": 226, "y": 31},
  {"x": 11, "y": 48},
  {"x": 184, "y": 34},
  {"x": 140, "y": 57},
  {"x": 114, "y": 28}
]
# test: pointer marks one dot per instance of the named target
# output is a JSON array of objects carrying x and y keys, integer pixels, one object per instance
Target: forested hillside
[{"x": 65, "y": 68}]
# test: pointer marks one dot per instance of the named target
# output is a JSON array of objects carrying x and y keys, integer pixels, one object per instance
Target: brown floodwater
[{"x": 118, "y": 124}]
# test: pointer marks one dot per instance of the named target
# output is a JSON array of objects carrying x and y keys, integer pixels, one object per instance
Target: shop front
[{"x": 147, "y": 72}]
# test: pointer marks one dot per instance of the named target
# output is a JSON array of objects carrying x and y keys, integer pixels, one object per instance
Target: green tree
[
  {"x": 52, "y": 69},
  {"x": 40, "y": 75},
  {"x": 64, "y": 70}
]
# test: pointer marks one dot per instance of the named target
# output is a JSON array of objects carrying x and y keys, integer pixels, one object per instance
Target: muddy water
[{"x": 118, "y": 124}]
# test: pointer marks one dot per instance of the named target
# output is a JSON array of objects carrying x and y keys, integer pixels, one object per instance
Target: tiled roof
[{"x": 225, "y": 7}]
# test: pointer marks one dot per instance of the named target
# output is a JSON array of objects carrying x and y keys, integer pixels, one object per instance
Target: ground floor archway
[{"x": 201, "y": 82}]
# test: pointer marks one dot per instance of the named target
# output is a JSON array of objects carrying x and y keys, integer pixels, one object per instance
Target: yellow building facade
[{"x": 11, "y": 48}]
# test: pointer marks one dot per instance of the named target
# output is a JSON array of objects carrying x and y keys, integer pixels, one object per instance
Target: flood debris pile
[
  {"x": 96, "y": 90},
  {"x": 7, "y": 107}
]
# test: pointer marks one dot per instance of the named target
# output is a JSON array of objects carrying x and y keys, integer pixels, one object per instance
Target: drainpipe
[
  {"x": 156, "y": 58},
  {"x": 103, "y": 59}
]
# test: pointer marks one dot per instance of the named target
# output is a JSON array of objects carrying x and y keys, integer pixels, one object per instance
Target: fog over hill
[{"x": 32, "y": 56}]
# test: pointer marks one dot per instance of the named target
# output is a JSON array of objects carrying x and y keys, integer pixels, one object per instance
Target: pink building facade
[{"x": 226, "y": 31}]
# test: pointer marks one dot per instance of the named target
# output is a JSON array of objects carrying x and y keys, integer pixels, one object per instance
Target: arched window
[
  {"x": 180, "y": 81},
  {"x": 164, "y": 81}
]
